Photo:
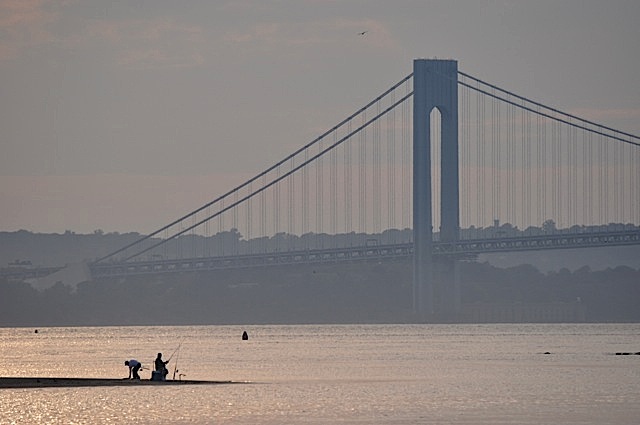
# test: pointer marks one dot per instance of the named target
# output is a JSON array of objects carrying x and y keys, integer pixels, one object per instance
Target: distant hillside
[
  {"x": 571, "y": 259},
  {"x": 52, "y": 249}
]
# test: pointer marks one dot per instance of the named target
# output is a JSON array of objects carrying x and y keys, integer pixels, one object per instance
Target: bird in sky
[{"x": 363, "y": 32}]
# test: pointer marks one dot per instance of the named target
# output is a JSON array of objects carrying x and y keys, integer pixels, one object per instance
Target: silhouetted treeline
[
  {"x": 344, "y": 293},
  {"x": 610, "y": 295},
  {"x": 51, "y": 249}
]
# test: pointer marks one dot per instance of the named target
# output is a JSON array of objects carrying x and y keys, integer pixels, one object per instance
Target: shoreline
[{"x": 52, "y": 382}]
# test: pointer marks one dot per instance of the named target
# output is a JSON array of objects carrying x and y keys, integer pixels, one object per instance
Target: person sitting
[
  {"x": 134, "y": 367},
  {"x": 161, "y": 366}
]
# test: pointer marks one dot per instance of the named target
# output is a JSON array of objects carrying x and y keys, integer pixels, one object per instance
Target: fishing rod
[
  {"x": 175, "y": 366},
  {"x": 174, "y": 351}
]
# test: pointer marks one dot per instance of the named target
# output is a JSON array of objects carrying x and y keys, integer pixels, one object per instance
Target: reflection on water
[{"x": 402, "y": 374}]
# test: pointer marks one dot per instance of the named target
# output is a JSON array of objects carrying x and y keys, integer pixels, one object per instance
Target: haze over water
[{"x": 365, "y": 374}]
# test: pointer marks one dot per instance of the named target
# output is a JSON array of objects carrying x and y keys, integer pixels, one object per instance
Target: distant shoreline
[{"x": 44, "y": 382}]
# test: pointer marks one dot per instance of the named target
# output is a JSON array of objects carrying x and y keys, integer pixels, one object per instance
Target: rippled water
[{"x": 364, "y": 374}]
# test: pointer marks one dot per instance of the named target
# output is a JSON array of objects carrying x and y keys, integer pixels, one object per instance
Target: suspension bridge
[{"x": 440, "y": 167}]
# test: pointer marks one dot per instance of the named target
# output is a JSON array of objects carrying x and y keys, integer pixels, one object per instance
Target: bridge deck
[{"x": 461, "y": 249}]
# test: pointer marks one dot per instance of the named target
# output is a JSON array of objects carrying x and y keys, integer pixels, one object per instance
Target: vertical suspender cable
[
  {"x": 305, "y": 201},
  {"x": 276, "y": 211},
  {"x": 235, "y": 218},
  {"x": 334, "y": 190},
  {"x": 495, "y": 185},
  {"x": 263, "y": 216},
  {"x": 391, "y": 167},
  {"x": 405, "y": 162},
  {"x": 544, "y": 192},
  {"x": 554, "y": 173},
  {"x": 464, "y": 165},
  {"x": 538, "y": 174},
  {"x": 526, "y": 172},
  {"x": 635, "y": 173},
  {"x": 291, "y": 225},
  {"x": 588, "y": 170},
  {"x": 319, "y": 194},
  {"x": 568, "y": 167},
  {"x": 619, "y": 183},
  {"x": 482, "y": 163},
  {"x": 509, "y": 164},
  {"x": 479, "y": 171},
  {"x": 362, "y": 180},
  {"x": 207, "y": 238},
  {"x": 602, "y": 193},
  {"x": 221, "y": 228},
  {"x": 248, "y": 219},
  {"x": 573, "y": 168},
  {"x": 194, "y": 245},
  {"x": 377, "y": 204},
  {"x": 497, "y": 167},
  {"x": 471, "y": 164},
  {"x": 348, "y": 186},
  {"x": 512, "y": 167}
]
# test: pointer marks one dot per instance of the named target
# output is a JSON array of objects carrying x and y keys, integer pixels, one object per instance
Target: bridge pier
[
  {"x": 446, "y": 282},
  {"x": 435, "y": 86}
]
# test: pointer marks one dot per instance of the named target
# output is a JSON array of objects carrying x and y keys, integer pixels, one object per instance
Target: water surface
[{"x": 359, "y": 374}]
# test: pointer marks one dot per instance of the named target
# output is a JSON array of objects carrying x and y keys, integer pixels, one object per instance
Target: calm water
[{"x": 363, "y": 374}]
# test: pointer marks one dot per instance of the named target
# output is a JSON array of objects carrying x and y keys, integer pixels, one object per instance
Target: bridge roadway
[
  {"x": 22, "y": 273},
  {"x": 464, "y": 249}
]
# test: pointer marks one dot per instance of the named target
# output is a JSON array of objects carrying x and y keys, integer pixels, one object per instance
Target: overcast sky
[{"x": 122, "y": 115}]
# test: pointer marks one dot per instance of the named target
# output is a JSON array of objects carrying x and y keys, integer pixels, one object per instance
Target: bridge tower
[{"x": 436, "y": 294}]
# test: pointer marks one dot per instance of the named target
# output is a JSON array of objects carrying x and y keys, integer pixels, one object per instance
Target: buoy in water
[{"x": 245, "y": 336}]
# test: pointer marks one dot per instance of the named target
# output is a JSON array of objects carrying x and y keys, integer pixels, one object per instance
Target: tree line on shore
[
  {"x": 337, "y": 293},
  {"x": 53, "y": 250}
]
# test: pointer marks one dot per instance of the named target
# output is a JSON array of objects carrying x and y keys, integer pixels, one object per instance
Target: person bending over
[{"x": 134, "y": 367}]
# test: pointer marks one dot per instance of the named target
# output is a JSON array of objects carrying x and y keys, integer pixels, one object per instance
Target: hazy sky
[{"x": 122, "y": 115}]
